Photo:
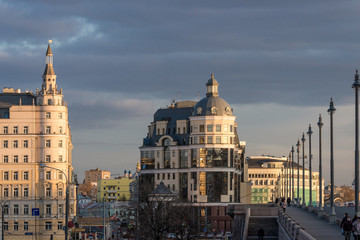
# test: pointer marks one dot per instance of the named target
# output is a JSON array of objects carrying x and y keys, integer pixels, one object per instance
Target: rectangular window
[
  {"x": 48, "y": 192},
  {"x": 225, "y": 140},
  {"x": 218, "y": 139},
  {"x": 6, "y": 192},
  {"x": 60, "y": 115},
  {"x": 48, "y": 226},
  {"x": 6, "y": 209},
  {"x": 60, "y": 226},
  {"x": 48, "y": 143},
  {"x": 195, "y": 128},
  {"x": 15, "y": 130},
  {"x": 26, "y": 158},
  {"x": 16, "y": 192},
  {"x": 6, "y": 226},
  {"x": 26, "y": 143},
  {"x": 225, "y": 128},
  {"x": 60, "y": 158},
  {"x": 48, "y": 209},
  {"x": 60, "y": 143},
  {"x": 26, "y": 175},
  {"x": 16, "y": 176},
  {"x": 16, "y": 209},
  {"x": 48, "y": 129},
  {"x": 60, "y": 192},
  {"x": 26, "y": 130},
  {"x": 202, "y": 128},
  {"x": 6, "y": 175},
  {"x": 26, "y": 192},
  {"x": 210, "y": 128},
  {"x": 195, "y": 140},
  {"x": 16, "y": 226},
  {"x": 15, "y": 144},
  {"x": 16, "y": 158},
  {"x": 6, "y": 144},
  {"x": 26, "y": 226},
  {"x": 60, "y": 130},
  {"x": 218, "y": 127},
  {"x": 47, "y": 158},
  {"x": 48, "y": 175},
  {"x": 26, "y": 209},
  {"x": 61, "y": 209},
  {"x": 202, "y": 140},
  {"x": 48, "y": 115},
  {"x": 174, "y": 176},
  {"x": 231, "y": 128},
  {"x": 6, "y": 130},
  {"x": 6, "y": 159},
  {"x": 209, "y": 139},
  {"x": 60, "y": 176}
]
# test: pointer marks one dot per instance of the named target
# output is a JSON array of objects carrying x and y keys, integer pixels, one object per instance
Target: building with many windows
[
  {"x": 93, "y": 175},
  {"x": 270, "y": 178},
  {"x": 110, "y": 190},
  {"x": 194, "y": 149},
  {"x": 35, "y": 159}
]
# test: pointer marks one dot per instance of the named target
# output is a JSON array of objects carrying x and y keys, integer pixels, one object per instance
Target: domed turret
[{"x": 212, "y": 104}]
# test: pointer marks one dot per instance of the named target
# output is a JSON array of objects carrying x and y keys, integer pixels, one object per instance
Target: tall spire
[{"x": 49, "y": 77}]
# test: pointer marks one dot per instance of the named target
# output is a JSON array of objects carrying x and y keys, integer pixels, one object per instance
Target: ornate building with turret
[
  {"x": 194, "y": 149},
  {"x": 35, "y": 160}
]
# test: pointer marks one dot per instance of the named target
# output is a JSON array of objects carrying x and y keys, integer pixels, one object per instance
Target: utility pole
[
  {"x": 303, "y": 172},
  {"x": 298, "y": 172},
  {"x": 320, "y": 124},
  {"x": 310, "y": 170},
  {"x": 356, "y": 86},
  {"x": 331, "y": 111},
  {"x": 292, "y": 167}
]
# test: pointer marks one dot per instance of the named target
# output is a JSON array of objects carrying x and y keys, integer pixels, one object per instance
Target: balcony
[
  {"x": 111, "y": 191},
  {"x": 111, "y": 197}
]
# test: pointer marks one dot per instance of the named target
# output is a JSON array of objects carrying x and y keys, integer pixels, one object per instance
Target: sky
[{"x": 278, "y": 64}]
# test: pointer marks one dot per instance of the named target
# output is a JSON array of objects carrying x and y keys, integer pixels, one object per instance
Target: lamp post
[
  {"x": 298, "y": 172},
  {"x": 67, "y": 198},
  {"x": 292, "y": 175},
  {"x": 320, "y": 124},
  {"x": 331, "y": 111},
  {"x": 356, "y": 86},
  {"x": 303, "y": 170},
  {"x": 310, "y": 170},
  {"x": 289, "y": 166},
  {"x": 3, "y": 204},
  {"x": 286, "y": 180}
]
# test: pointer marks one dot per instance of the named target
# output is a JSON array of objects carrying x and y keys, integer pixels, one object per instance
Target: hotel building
[
  {"x": 194, "y": 149},
  {"x": 35, "y": 160}
]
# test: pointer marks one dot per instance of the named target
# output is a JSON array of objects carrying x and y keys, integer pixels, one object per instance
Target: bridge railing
[{"x": 289, "y": 229}]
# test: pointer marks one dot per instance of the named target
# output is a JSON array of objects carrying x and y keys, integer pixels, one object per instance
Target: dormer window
[
  {"x": 199, "y": 110},
  {"x": 228, "y": 110},
  {"x": 213, "y": 110}
]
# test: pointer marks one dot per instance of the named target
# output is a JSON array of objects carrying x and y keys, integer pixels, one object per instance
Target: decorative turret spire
[
  {"x": 49, "y": 77},
  {"x": 212, "y": 87}
]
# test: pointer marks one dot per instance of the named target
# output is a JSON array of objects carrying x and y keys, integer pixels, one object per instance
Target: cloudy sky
[{"x": 277, "y": 62}]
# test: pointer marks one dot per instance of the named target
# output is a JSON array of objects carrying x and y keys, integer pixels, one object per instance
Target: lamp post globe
[{"x": 331, "y": 111}]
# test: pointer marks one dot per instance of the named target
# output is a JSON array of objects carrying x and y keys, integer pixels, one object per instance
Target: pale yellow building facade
[
  {"x": 34, "y": 131},
  {"x": 111, "y": 190}
]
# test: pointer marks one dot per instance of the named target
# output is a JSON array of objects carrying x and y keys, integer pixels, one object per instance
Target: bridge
[{"x": 294, "y": 223}]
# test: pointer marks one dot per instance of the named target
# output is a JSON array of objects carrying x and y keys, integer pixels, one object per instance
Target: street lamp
[
  {"x": 331, "y": 111},
  {"x": 310, "y": 171},
  {"x": 320, "y": 124},
  {"x": 289, "y": 166},
  {"x": 292, "y": 167},
  {"x": 3, "y": 204},
  {"x": 356, "y": 86},
  {"x": 303, "y": 171},
  {"x": 298, "y": 172},
  {"x": 67, "y": 198}
]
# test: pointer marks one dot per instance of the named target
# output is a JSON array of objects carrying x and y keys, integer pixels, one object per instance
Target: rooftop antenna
[{"x": 178, "y": 96}]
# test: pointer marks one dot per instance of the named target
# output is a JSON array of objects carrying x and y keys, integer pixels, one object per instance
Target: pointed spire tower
[{"x": 49, "y": 94}]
